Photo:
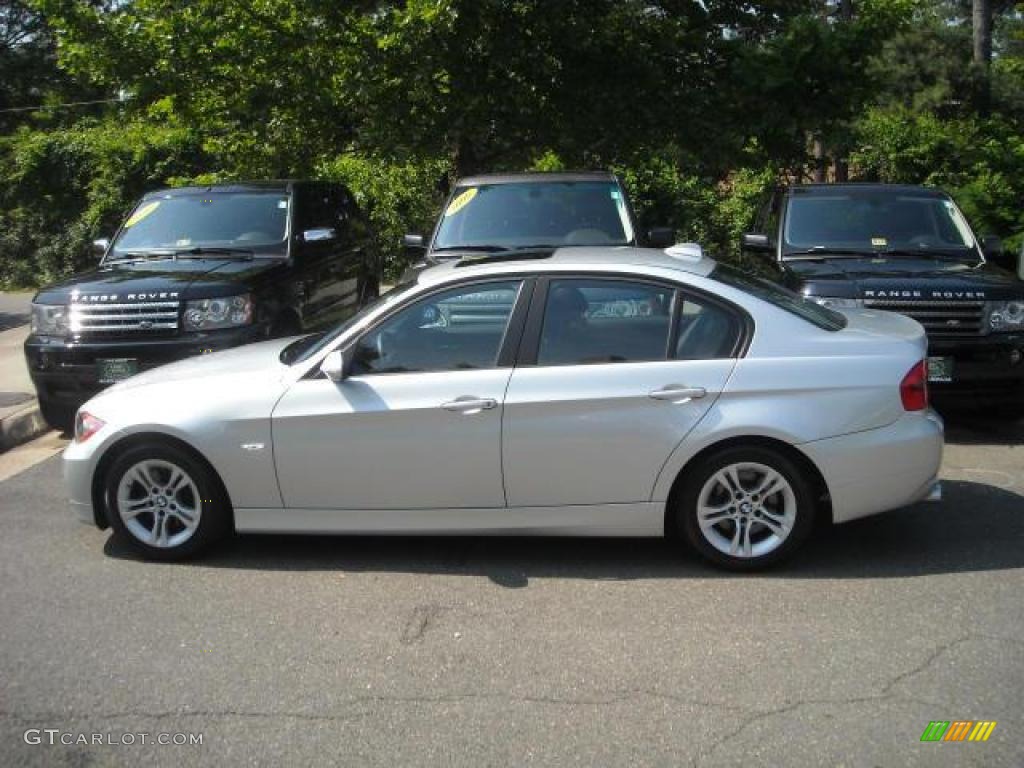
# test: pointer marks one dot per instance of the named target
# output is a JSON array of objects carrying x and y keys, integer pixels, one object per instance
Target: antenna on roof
[{"x": 686, "y": 251}]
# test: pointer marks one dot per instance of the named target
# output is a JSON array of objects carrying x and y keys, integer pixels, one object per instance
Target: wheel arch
[
  {"x": 110, "y": 455},
  {"x": 823, "y": 507}
]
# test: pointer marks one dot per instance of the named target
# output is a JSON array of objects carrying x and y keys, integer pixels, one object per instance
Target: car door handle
[
  {"x": 678, "y": 392},
  {"x": 469, "y": 404}
]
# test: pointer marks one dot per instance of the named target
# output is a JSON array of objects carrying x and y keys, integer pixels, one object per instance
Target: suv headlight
[
  {"x": 50, "y": 319},
  {"x": 836, "y": 303},
  {"x": 222, "y": 312},
  {"x": 1006, "y": 315}
]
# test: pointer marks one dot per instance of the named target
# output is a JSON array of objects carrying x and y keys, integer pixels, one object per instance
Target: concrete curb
[{"x": 24, "y": 424}]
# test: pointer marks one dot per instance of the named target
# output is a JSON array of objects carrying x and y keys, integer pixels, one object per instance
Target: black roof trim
[
  {"x": 868, "y": 187},
  {"x": 535, "y": 176},
  {"x": 275, "y": 185},
  {"x": 524, "y": 254}
]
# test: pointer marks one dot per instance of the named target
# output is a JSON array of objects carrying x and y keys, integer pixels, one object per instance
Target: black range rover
[
  {"x": 197, "y": 269},
  {"x": 907, "y": 249},
  {"x": 507, "y": 212}
]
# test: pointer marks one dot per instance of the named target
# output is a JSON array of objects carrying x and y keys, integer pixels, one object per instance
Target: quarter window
[
  {"x": 459, "y": 329},
  {"x": 706, "y": 331},
  {"x": 604, "y": 321}
]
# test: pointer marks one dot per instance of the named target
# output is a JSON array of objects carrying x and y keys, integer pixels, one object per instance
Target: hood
[
  {"x": 165, "y": 278},
  {"x": 904, "y": 278},
  {"x": 259, "y": 359}
]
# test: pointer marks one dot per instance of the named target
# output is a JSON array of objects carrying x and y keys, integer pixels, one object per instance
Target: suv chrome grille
[
  {"x": 112, "y": 319},
  {"x": 939, "y": 318}
]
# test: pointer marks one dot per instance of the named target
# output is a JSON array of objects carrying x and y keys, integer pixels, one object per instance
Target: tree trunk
[
  {"x": 820, "y": 161},
  {"x": 982, "y": 19},
  {"x": 982, "y": 26}
]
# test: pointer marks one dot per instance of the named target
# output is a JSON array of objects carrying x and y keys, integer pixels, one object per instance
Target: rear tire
[
  {"x": 745, "y": 508},
  {"x": 165, "y": 503}
]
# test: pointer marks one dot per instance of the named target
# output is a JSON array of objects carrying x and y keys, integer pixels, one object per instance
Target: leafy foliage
[{"x": 700, "y": 105}]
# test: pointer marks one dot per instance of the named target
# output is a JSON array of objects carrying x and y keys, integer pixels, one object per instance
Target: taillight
[
  {"x": 914, "y": 388},
  {"x": 86, "y": 425}
]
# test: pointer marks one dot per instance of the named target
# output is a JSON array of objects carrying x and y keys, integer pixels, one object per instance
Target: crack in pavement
[
  {"x": 886, "y": 694},
  {"x": 422, "y": 619},
  {"x": 610, "y": 698}
]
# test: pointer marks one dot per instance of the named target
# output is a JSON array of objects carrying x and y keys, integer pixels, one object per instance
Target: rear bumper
[
  {"x": 64, "y": 371},
  {"x": 989, "y": 369},
  {"x": 880, "y": 469}
]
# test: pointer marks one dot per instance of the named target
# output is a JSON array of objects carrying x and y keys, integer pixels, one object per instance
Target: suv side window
[
  {"x": 707, "y": 331},
  {"x": 321, "y": 207},
  {"x": 458, "y": 329},
  {"x": 604, "y": 321}
]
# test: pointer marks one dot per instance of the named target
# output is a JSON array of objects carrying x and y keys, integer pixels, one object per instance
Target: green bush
[
  {"x": 400, "y": 196},
  {"x": 61, "y": 189}
]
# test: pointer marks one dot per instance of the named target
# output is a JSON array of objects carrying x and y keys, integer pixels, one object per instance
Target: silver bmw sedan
[{"x": 582, "y": 392}]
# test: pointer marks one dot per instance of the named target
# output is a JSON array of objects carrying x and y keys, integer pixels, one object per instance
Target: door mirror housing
[
  {"x": 992, "y": 247},
  {"x": 413, "y": 242},
  {"x": 661, "y": 237},
  {"x": 337, "y": 366},
  {"x": 99, "y": 247},
  {"x": 757, "y": 242},
  {"x": 319, "y": 235}
]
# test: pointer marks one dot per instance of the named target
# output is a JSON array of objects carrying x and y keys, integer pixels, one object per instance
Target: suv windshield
[
  {"x": 535, "y": 214},
  {"x": 875, "y": 221},
  {"x": 235, "y": 220},
  {"x": 783, "y": 298}
]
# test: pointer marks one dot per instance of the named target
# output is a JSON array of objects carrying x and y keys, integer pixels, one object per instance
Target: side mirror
[
  {"x": 992, "y": 247},
  {"x": 99, "y": 247},
  {"x": 336, "y": 366},
  {"x": 413, "y": 242},
  {"x": 754, "y": 241},
  {"x": 319, "y": 235},
  {"x": 661, "y": 237}
]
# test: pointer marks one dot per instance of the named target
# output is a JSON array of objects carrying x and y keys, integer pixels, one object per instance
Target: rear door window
[{"x": 604, "y": 321}]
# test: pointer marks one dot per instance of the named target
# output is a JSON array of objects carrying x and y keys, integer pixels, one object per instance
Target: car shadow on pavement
[{"x": 977, "y": 527}]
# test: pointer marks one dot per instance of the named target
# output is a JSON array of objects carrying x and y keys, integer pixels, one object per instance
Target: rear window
[{"x": 783, "y": 298}]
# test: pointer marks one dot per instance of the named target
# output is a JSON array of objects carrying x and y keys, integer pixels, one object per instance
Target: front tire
[
  {"x": 745, "y": 508},
  {"x": 165, "y": 503}
]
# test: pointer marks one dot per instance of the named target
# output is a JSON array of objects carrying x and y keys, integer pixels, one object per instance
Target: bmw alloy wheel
[
  {"x": 746, "y": 510},
  {"x": 159, "y": 503}
]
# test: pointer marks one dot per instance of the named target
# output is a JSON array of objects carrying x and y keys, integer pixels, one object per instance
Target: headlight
[
  {"x": 224, "y": 312},
  {"x": 50, "y": 319},
  {"x": 1006, "y": 315},
  {"x": 836, "y": 303}
]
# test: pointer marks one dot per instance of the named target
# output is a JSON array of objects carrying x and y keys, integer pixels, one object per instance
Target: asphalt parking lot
[{"x": 396, "y": 651}]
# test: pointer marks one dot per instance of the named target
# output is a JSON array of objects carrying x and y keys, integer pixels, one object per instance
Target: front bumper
[
  {"x": 880, "y": 469},
  {"x": 64, "y": 370},
  {"x": 988, "y": 369}
]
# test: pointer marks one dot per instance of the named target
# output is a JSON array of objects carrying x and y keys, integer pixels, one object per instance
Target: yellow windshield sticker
[
  {"x": 461, "y": 201},
  {"x": 879, "y": 242},
  {"x": 141, "y": 213}
]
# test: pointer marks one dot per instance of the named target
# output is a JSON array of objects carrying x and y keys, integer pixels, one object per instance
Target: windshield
[
  {"x": 535, "y": 213},
  {"x": 783, "y": 298},
  {"x": 308, "y": 346},
  {"x": 874, "y": 221},
  {"x": 213, "y": 220}
]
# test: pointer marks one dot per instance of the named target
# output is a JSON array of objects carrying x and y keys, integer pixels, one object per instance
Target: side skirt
[{"x": 646, "y": 519}]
